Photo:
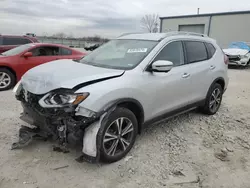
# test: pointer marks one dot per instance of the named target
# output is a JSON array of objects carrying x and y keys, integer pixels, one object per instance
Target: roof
[
  {"x": 208, "y": 14},
  {"x": 49, "y": 44},
  {"x": 144, "y": 36}
]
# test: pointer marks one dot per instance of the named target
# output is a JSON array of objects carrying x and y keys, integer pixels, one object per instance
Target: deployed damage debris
[{"x": 59, "y": 124}]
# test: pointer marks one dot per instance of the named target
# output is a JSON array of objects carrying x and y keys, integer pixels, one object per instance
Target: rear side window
[
  {"x": 172, "y": 52},
  {"x": 15, "y": 41},
  {"x": 65, "y": 51},
  {"x": 196, "y": 51},
  {"x": 210, "y": 49},
  {"x": 1, "y": 41}
]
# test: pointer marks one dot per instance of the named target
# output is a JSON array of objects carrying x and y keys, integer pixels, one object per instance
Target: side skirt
[{"x": 173, "y": 113}]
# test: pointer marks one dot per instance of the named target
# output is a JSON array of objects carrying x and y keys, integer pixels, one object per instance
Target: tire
[
  {"x": 5, "y": 84},
  {"x": 107, "y": 154},
  {"x": 207, "y": 108}
]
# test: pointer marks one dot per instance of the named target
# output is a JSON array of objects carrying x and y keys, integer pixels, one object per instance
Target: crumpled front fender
[{"x": 92, "y": 138}]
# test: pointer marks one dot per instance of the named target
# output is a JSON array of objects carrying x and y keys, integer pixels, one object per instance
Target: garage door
[{"x": 199, "y": 28}]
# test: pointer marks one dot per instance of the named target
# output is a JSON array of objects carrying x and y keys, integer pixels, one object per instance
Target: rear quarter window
[
  {"x": 195, "y": 51},
  {"x": 211, "y": 50},
  {"x": 65, "y": 51}
]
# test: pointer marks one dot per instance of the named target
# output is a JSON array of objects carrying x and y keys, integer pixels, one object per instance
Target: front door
[
  {"x": 169, "y": 91},
  {"x": 40, "y": 55}
]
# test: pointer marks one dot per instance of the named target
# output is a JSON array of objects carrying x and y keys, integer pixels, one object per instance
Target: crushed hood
[
  {"x": 64, "y": 74},
  {"x": 235, "y": 51}
]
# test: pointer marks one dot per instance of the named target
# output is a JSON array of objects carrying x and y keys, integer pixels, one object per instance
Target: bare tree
[
  {"x": 150, "y": 23},
  {"x": 60, "y": 35}
]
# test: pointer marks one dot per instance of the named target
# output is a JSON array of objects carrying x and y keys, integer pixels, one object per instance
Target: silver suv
[{"x": 104, "y": 100}]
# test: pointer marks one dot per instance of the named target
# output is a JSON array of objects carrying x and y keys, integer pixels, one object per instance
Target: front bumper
[
  {"x": 67, "y": 125},
  {"x": 238, "y": 60}
]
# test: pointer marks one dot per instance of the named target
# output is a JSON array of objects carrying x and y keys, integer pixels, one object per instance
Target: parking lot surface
[{"x": 191, "y": 150}]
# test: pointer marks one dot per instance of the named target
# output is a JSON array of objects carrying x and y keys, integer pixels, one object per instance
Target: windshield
[
  {"x": 17, "y": 50},
  {"x": 120, "y": 54}
]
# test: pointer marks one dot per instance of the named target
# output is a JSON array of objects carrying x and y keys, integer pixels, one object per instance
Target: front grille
[{"x": 234, "y": 57}]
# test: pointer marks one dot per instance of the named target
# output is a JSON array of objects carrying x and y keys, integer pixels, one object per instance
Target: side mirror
[
  {"x": 27, "y": 54},
  {"x": 162, "y": 66}
]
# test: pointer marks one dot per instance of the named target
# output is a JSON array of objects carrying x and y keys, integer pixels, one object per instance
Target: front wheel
[
  {"x": 213, "y": 100},
  {"x": 7, "y": 79},
  {"x": 117, "y": 135}
]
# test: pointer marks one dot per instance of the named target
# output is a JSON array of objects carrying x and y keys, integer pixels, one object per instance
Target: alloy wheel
[
  {"x": 215, "y": 100},
  {"x": 118, "y": 136},
  {"x": 5, "y": 80}
]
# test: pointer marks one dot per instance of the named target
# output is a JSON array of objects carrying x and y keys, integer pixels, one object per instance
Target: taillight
[{"x": 226, "y": 60}]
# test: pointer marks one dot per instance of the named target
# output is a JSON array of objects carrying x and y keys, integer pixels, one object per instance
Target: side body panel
[{"x": 159, "y": 92}]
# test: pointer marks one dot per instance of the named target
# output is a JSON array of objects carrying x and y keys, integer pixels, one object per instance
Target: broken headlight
[{"x": 52, "y": 100}]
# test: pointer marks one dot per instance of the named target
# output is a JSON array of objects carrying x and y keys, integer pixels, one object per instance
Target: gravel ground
[{"x": 191, "y": 151}]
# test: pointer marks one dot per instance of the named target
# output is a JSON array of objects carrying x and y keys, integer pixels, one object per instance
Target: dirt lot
[{"x": 189, "y": 151}]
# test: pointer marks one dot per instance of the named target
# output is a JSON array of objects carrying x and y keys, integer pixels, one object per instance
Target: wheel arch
[
  {"x": 134, "y": 106},
  {"x": 220, "y": 81}
]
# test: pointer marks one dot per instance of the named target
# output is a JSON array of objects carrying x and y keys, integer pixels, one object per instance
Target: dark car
[
  {"x": 8, "y": 42},
  {"x": 15, "y": 62}
]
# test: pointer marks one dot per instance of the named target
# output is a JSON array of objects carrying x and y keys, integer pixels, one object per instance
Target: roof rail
[
  {"x": 124, "y": 34},
  {"x": 185, "y": 33}
]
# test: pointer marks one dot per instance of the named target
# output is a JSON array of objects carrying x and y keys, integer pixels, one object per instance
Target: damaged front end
[
  {"x": 236, "y": 56},
  {"x": 68, "y": 124}
]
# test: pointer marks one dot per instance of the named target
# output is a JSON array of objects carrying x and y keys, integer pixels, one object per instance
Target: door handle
[
  {"x": 185, "y": 75},
  {"x": 212, "y": 67}
]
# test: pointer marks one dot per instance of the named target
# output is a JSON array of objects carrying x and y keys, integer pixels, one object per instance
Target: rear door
[
  {"x": 40, "y": 55},
  {"x": 199, "y": 67}
]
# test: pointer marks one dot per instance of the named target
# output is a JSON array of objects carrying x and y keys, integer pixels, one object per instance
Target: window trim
[
  {"x": 188, "y": 40},
  {"x": 147, "y": 67}
]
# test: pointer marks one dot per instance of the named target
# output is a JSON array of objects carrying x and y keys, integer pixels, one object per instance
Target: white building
[{"x": 225, "y": 27}]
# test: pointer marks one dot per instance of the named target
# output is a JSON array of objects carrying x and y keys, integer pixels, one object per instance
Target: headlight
[
  {"x": 52, "y": 100},
  {"x": 243, "y": 56}
]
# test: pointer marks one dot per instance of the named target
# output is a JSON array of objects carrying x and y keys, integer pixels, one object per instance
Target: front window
[
  {"x": 45, "y": 51},
  {"x": 172, "y": 52},
  {"x": 120, "y": 54},
  {"x": 17, "y": 50}
]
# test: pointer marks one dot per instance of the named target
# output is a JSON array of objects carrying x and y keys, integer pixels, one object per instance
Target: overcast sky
[{"x": 108, "y": 18}]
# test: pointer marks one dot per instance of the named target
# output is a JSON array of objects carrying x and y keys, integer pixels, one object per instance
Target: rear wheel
[
  {"x": 213, "y": 100},
  {"x": 7, "y": 79},
  {"x": 118, "y": 135}
]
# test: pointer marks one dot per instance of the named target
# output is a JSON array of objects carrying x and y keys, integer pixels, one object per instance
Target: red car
[
  {"x": 8, "y": 42},
  {"x": 15, "y": 62}
]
